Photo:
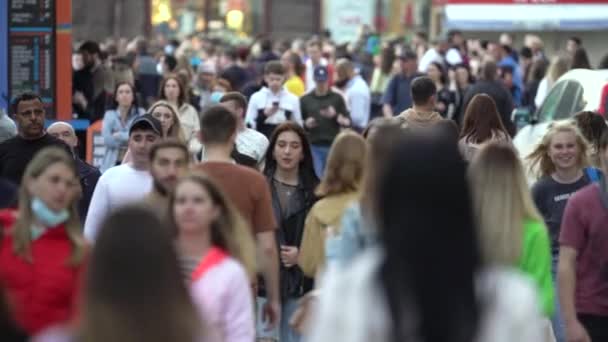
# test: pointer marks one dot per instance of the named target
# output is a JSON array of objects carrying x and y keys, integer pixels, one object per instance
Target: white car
[{"x": 577, "y": 90}]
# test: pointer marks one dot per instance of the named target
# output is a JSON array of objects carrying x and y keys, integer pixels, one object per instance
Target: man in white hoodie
[{"x": 273, "y": 104}]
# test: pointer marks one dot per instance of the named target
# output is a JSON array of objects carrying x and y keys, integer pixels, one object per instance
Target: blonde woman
[
  {"x": 42, "y": 250},
  {"x": 560, "y": 161},
  {"x": 511, "y": 230},
  {"x": 167, "y": 115},
  {"x": 559, "y": 66},
  {"x": 216, "y": 253},
  {"x": 338, "y": 189}
]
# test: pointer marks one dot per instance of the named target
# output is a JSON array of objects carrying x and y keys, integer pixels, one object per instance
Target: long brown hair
[
  {"x": 134, "y": 288},
  {"x": 22, "y": 231},
  {"x": 183, "y": 92},
  {"x": 481, "y": 120},
  {"x": 345, "y": 165},
  {"x": 176, "y": 130},
  {"x": 230, "y": 231}
]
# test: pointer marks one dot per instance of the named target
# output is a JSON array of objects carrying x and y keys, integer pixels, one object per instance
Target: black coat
[
  {"x": 500, "y": 95},
  {"x": 89, "y": 175}
]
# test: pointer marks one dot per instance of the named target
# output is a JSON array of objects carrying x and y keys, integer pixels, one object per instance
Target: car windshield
[{"x": 564, "y": 100}]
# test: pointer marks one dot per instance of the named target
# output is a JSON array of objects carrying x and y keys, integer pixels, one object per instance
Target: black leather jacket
[{"x": 292, "y": 282}]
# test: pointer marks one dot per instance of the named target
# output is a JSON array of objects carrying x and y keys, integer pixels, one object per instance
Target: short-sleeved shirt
[
  {"x": 247, "y": 189},
  {"x": 397, "y": 93},
  {"x": 585, "y": 229},
  {"x": 550, "y": 198}
]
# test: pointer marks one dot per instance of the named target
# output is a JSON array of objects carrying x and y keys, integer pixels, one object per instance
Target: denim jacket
[{"x": 112, "y": 124}]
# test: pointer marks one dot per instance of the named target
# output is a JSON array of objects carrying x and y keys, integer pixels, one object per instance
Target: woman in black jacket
[{"x": 291, "y": 176}]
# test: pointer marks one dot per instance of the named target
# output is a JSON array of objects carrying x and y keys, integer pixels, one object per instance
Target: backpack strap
[
  {"x": 213, "y": 258},
  {"x": 592, "y": 174}
]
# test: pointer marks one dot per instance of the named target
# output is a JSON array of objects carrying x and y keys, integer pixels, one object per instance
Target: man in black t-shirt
[{"x": 16, "y": 153}]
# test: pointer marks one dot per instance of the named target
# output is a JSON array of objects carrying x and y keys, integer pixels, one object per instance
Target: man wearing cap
[
  {"x": 397, "y": 96},
  {"x": 89, "y": 175},
  {"x": 204, "y": 83},
  {"x": 324, "y": 113},
  {"x": 441, "y": 53},
  {"x": 125, "y": 183}
]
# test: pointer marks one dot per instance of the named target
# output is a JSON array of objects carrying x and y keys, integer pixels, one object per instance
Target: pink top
[{"x": 223, "y": 296}]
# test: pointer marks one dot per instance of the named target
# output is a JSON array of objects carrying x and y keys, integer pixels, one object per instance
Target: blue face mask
[{"x": 47, "y": 216}]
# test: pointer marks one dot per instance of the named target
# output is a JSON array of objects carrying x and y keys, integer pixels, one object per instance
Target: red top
[
  {"x": 42, "y": 293},
  {"x": 584, "y": 229},
  {"x": 214, "y": 257}
]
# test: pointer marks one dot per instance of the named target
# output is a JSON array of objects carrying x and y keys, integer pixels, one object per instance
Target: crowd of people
[{"x": 305, "y": 192}]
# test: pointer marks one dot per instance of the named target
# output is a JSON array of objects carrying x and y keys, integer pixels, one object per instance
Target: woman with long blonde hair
[
  {"x": 511, "y": 230},
  {"x": 338, "y": 189},
  {"x": 166, "y": 113},
  {"x": 216, "y": 253},
  {"x": 561, "y": 164},
  {"x": 42, "y": 250}
]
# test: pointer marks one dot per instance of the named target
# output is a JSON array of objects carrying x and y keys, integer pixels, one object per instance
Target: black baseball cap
[
  {"x": 321, "y": 74},
  {"x": 147, "y": 121}
]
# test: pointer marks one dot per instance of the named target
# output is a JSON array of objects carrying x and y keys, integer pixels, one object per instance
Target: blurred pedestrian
[
  {"x": 16, "y": 153},
  {"x": 422, "y": 114},
  {"x": 381, "y": 76},
  {"x": 138, "y": 295},
  {"x": 460, "y": 84},
  {"x": 236, "y": 75},
  {"x": 87, "y": 173},
  {"x": 444, "y": 105},
  {"x": 175, "y": 92},
  {"x": 488, "y": 84},
  {"x": 42, "y": 251},
  {"x": 358, "y": 95},
  {"x": 592, "y": 125},
  {"x": 314, "y": 50},
  {"x": 293, "y": 69},
  {"x": 248, "y": 190},
  {"x": 324, "y": 113},
  {"x": 213, "y": 256},
  {"x": 574, "y": 43},
  {"x": 204, "y": 83},
  {"x": 339, "y": 187},
  {"x": 395, "y": 293},
  {"x": 92, "y": 92},
  {"x": 250, "y": 145},
  {"x": 537, "y": 72},
  {"x": 580, "y": 59},
  {"x": 116, "y": 122},
  {"x": 8, "y": 129},
  {"x": 272, "y": 105},
  {"x": 290, "y": 174},
  {"x": 397, "y": 96},
  {"x": 481, "y": 125},
  {"x": 512, "y": 232},
  {"x": 582, "y": 283},
  {"x": 126, "y": 183},
  {"x": 559, "y": 66}
]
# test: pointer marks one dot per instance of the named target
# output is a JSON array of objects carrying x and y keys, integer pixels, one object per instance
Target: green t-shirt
[{"x": 535, "y": 261}]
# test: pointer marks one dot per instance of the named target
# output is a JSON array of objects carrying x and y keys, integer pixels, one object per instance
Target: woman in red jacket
[{"x": 41, "y": 247}]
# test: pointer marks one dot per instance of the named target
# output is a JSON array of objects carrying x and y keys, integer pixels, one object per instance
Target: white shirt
[
  {"x": 191, "y": 125},
  {"x": 452, "y": 57},
  {"x": 265, "y": 98},
  {"x": 358, "y": 100},
  {"x": 510, "y": 310},
  {"x": 118, "y": 186},
  {"x": 252, "y": 143}
]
